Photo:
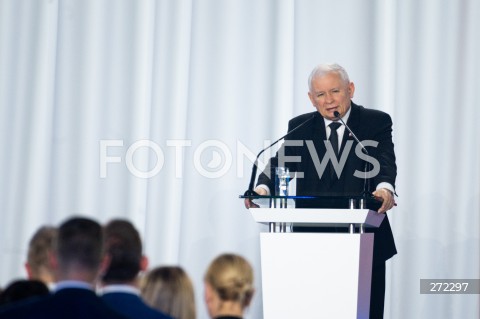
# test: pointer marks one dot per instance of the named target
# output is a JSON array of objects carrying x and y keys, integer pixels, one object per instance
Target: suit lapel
[
  {"x": 319, "y": 127},
  {"x": 319, "y": 135}
]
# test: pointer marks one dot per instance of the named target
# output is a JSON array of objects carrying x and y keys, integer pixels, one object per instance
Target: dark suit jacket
[
  {"x": 71, "y": 303},
  {"x": 367, "y": 124},
  {"x": 132, "y": 306}
]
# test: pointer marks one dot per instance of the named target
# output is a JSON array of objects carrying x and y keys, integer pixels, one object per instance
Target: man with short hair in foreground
[
  {"x": 120, "y": 281},
  {"x": 77, "y": 260}
]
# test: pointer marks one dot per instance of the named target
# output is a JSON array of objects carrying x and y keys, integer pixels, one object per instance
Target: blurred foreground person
[
  {"x": 77, "y": 260},
  {"x": 120, "y": 281},
  {"x": 169, "y": 289},
  {"x": 38, "y": 266},
  {"x": 22, "y": 289},
  {"x": 228, "y": 287}
]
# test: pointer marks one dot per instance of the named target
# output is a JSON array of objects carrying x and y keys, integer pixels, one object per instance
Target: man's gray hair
[{"x": 324, "y": 69}]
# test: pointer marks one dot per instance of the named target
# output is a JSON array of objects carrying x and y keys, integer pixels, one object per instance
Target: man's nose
[{"x": 328, "y": 98}]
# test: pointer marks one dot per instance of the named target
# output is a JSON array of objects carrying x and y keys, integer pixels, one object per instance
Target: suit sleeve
[{"x": 384, "y": 152}]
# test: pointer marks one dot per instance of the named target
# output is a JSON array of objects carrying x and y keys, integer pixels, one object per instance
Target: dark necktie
[
  {"x": 334, "y": 142},
  {"x": 334, "y": 136}
]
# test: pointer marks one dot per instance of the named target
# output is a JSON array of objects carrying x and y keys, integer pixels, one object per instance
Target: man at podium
[{"x": 327, "y": 158}]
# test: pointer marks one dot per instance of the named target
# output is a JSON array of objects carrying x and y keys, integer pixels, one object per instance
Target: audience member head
[
  {"x": 78, "y": 253},
  {"x": 38, "y": 265},
  {"x": 228, "y": 286},
  {"x": 123, "y": 246},
  {"x": 22, "y": 289},
  {"x": 170, "y": 290}
]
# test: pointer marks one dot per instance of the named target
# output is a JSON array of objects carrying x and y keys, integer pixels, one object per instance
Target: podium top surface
[
  {"x": 317, "y": 216},
  {"x": 324, "y": 201}
]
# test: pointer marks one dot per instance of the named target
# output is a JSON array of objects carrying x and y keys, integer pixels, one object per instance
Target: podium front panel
[{"x": 316, "y": 275}]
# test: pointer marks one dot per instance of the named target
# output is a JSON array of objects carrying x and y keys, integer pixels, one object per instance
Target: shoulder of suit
[{"x": 369, "y": 113}]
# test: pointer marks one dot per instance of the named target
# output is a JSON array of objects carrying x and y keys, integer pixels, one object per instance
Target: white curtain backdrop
[{"x": 153, "y": 111}]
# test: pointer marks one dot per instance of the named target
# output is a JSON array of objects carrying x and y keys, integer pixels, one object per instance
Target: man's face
[{"x": 329, "y": 94}]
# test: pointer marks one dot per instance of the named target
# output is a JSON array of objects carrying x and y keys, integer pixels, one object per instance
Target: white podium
[{"x": 316, "y": 275}]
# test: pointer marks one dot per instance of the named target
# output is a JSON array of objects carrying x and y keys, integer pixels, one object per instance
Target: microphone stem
[
  {"x": 250, "y": 191},
  {"x": 366, "y": 181}
]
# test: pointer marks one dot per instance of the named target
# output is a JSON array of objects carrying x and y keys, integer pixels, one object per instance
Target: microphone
[
  {"x": 337, "y": 115},
  {"x": 366, "y": 182},
  {"x": 250, "y": 191}
]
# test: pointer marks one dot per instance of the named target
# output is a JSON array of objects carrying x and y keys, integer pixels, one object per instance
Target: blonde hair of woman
[
  {"x": 170, "y": 290},
  {"x": 228, "y": 286}
]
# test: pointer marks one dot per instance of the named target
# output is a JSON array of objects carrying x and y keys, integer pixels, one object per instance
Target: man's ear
[
  {"x": 28, "y": 270},
  {"x": 105, "y": 263},
  {"x": 144, "y": 263},
  {"x": 52, "y": 260},
  {"x": 310, "y": 96},
  {"x": 351, "y": 89}
]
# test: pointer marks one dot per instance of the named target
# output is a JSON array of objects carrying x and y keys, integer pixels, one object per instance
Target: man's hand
[
  {"x": 386, "y": 197},
  {"x": 249, "y": 203}
]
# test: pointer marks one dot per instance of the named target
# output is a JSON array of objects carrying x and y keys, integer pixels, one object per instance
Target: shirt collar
[
  {"x": 119, "y": 288},
  {"x": 72, "y": 284}
]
